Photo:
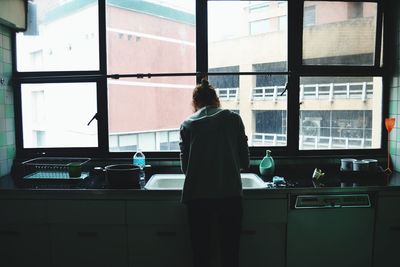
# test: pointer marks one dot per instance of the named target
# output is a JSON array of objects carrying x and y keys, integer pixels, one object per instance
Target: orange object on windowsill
[{"x": 389, "y": 124}]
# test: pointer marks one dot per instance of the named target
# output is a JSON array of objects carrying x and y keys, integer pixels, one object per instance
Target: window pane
[
  {"x": 344, "y": 37},
  {"x": 340, "y": 112},
  {"x": 261, "y": 102},
  {"x": 251, "y": 36},
  {"x": 151, "y": 36},
  {"x": 61, "y": 36},
  {"x": 147, "y": 114},
  {"x": 57, "y": 114},
  {"x": 245, "y": 33}
]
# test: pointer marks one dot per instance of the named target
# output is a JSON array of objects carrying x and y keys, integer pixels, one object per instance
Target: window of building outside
[
  {"x": 260, "y": 26},
  {"x": 257, "y": 6},
  {"x": 309, "y": 16},
  {"x": 355, "y": 10},
  {"x": 247, "y": 64},
  {"x": 227, "y": 86}
]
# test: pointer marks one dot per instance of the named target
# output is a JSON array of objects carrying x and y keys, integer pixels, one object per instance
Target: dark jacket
[{"x": 213, "y": 151}]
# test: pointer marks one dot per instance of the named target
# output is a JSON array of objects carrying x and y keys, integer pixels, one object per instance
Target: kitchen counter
[{"x": 95, "y": 187}]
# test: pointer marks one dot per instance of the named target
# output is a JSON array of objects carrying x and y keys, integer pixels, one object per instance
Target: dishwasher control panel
[{"x": 332, "y": 201}]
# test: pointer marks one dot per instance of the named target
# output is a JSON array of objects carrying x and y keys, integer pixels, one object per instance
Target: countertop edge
[{"x": 134, "y": 194}]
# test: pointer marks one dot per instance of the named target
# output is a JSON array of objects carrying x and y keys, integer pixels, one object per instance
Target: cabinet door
[
  {"x": 387, "y": 232},
  {"x": 263, "y": 240},
  {"x": 159, "y": 246},
  {"x": 26, "y": 212},
  {"x": 387, "y": 240},
  {"x": 91, "y": 212},
  {"x": 263, "y": 245},
  {"x": 24, "y": 245},
  {"x": 88, "y": 245}
]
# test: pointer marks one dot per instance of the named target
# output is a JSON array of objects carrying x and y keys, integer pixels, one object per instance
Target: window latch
[
  {"x": 286, "y": 87},
  {"x": 94, "y": 117}
]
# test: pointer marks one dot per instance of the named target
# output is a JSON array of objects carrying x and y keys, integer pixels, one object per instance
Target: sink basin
[{"x": 175, "y": 182}]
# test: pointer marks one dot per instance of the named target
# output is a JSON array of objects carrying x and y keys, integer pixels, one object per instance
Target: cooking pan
[{"x": 123, "y": 176}]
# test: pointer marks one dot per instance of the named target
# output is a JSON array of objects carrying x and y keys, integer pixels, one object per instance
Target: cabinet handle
[
  {"x": 165, "y": 233},
  {"x": 395, "y": 228},
  {"x": 87, "y": 234},
  {"x": 10, "y": 233},
  {"x": 249, "y": 232}
]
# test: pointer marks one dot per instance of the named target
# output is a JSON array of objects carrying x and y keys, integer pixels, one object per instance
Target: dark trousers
[{"x": 215, "y": 228}]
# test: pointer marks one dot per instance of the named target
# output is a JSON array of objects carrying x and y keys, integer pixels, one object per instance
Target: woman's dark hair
[{"x": 204, "y": 95}]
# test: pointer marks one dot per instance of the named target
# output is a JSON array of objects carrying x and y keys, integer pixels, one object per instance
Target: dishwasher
[{"x": 330, "y": 230}]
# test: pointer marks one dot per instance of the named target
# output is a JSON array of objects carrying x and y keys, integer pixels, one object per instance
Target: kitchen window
[
  {"x": 149, "y": 37},
  {"x": 302, "y": 78},
  {"x": 62, "y": 42},
  {"x": 57, "y": 114},
  {"x": 336, "y": 39},
  {"x": 259, "y": 55},
  {"x": 340, "y": 112}
]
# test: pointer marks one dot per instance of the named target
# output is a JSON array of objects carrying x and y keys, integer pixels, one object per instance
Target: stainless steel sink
[{"x": 175, "y": 182}]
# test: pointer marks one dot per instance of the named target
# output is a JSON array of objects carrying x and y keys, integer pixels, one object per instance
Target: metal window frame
[{"x": 295, "y": 70}]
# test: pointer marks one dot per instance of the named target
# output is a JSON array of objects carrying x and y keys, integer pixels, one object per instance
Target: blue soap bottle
[{"x": 267, "y": 166}]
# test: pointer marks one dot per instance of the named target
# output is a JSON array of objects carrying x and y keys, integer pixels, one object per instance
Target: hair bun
[{"x": 204, "y": 83}]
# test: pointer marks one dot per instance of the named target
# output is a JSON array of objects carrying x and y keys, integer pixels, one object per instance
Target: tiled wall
[
  {"x": 394, "y": 104},
  {"x": 7, "y": 131}
]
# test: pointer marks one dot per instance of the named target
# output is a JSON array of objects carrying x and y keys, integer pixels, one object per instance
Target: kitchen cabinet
[
  {"x": 24, "y": 245},
  {"x": 263, "y": 240},
  {"x": 387, "y": 232},
  {"x": 158, "y": 235},
  {"x": 88, "y": 233},
  {"x": 24, "y": 235},
  {"x": 159, "y": 246},
  {"x": 88, "y": 245},
  {"x": 152, "y": 231}
]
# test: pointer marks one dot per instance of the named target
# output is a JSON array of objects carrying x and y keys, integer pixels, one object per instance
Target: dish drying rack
[{"x": 52, "y": 168}]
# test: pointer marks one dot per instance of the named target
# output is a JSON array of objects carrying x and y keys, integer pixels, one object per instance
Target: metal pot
[
  {"x": 123, "y": 176},
  {"x": 360, "y": 165},
  {"x": 372, "y": 164},
  {"x": 347, "y": 164}
]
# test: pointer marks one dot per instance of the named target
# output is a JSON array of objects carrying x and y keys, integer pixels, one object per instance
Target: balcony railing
[
  {"x": 228, "y": 94},
  {"x": 311, "y": 142},
  {"x": 266, "y": 139},
  {"x": 329, "y": 91},
  {"x": 326, "y": 142},
  {"x": 273, "y": 93}
]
